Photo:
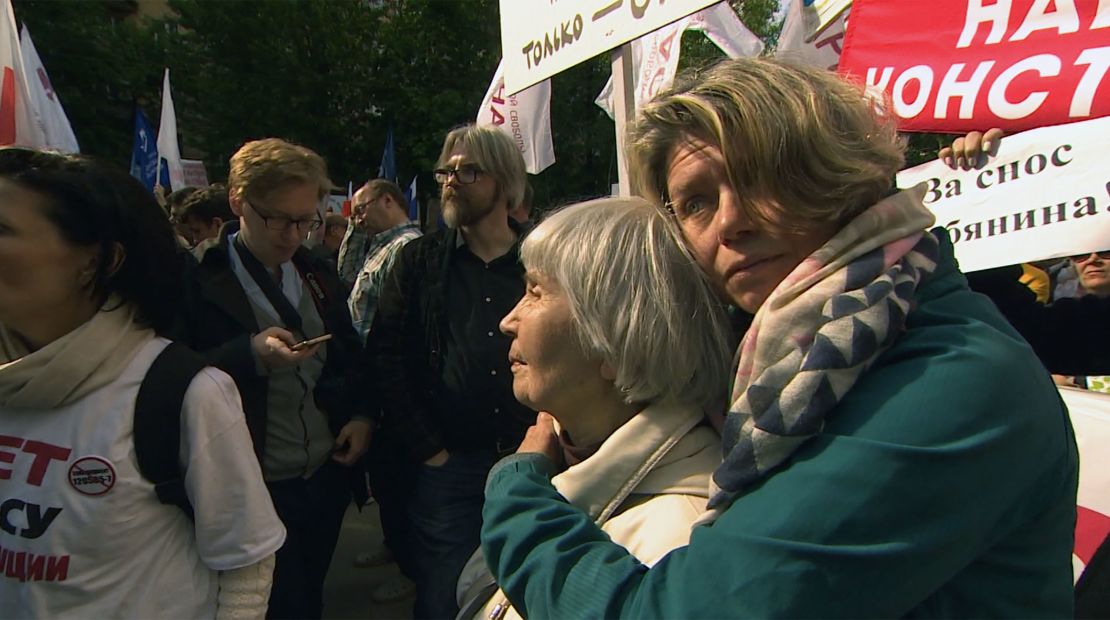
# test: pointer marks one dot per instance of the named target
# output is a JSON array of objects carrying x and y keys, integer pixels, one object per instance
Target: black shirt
[{"x": 477, "y": 405}]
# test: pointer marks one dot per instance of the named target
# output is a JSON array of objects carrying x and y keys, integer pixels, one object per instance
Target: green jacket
[{"x": 943, "y": 485}]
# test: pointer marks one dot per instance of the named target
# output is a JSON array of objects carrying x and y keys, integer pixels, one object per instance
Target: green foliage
[
  {"x": 99, "y": 65},
  {"x": 923, "y": 147},
  {"x": 330, "y": 74},
  {"x": 757, "y": 15},
  {"x": 433, "y": 64},
  {"x": 584, "y": 138},
  {"x": 287, "y": 68}
]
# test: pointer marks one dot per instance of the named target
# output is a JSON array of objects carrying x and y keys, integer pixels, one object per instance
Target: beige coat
[{"x": 645, "y": 486}]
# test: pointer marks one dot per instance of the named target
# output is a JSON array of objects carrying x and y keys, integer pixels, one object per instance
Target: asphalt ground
[{"x": 347, "y": 588}]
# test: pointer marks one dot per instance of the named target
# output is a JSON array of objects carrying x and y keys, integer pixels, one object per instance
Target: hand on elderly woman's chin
[{"x": 542, "y": 439}]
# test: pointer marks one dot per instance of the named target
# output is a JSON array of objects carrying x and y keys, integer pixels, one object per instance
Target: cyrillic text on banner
[
  {"x": 540, "y": 38},
  {"x": 961, "y": 65},
  {"x": 1046, "y": 194}
]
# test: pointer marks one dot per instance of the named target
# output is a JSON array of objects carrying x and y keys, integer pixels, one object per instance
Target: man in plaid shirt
[{"x": 379, "y": 228}]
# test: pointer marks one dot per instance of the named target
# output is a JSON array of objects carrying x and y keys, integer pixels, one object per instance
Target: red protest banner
[{"x": 961, "y": 65}]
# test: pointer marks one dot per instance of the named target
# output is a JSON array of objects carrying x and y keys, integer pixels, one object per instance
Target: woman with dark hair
[{"x": 88, "y": 285}]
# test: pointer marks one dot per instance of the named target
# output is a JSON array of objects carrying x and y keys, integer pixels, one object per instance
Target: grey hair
[
  {"x": 638, "y": 299},
  {"x": 495, "y": 153}
]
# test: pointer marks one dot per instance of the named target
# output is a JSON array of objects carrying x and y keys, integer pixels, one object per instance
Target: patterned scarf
[{"x": 819, "y": 330}]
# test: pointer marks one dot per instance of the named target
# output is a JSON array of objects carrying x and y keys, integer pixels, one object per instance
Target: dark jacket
[
  {"x": 1070, "y": 336},
  {"x": 407, "y": 343},
  {"x": 220, "y": 324}
]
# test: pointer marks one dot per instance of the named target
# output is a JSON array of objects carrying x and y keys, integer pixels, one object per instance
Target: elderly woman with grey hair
[
  {"x": 892, "y": 448},
  {"x": 620, "y": 339}
]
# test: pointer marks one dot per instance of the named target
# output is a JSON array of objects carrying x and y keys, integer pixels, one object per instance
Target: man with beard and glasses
[{"x": 441, "y": 361}]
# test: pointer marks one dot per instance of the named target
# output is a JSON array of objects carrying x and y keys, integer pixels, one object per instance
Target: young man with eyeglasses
[
  {"x": 442, "y": 363},
  {"x": 260, "y": 293}
]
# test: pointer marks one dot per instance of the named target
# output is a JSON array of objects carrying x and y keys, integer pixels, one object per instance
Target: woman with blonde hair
[{"x": 892, "y": 448}]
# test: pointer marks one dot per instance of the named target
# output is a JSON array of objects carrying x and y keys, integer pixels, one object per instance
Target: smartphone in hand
[{"x": 311, "y": 341}]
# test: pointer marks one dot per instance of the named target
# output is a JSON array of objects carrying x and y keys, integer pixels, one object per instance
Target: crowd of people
[{"x": 761, "y": 388}]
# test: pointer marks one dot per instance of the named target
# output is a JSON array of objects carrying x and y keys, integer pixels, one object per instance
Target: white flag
[
  {"x": 45, "y": 104},
  {"x": 655, "y": 55},
  {"x": 17, "y": 121},
  {"x": 167, "y": 137},
  {"x": 723, "y": 27},
  {"x": 525, "y": 116},
  {"x": 797, "y": 44},
  {"x": 654, "y": 64}
]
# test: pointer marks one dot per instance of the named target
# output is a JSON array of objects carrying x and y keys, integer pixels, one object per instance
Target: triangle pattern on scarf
[
  {"x": 863, "y": 270},
  {"x": 816, "y": 342},
  {"x": 741, "y": 466},
  {"x": 813, "y": 414},
  {"x": 772, "y": 420},
  {"x": 897, "y": 315},
  {"x": 759, "y": 399},
  {"x": 864, "y": 341},
  {"x": 876, "y": 291},
  {"x": 824, "y": 355},
  {"x": 845, "y": 305}
]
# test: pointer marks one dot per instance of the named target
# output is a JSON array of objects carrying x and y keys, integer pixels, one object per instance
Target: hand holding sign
[
  {"x": 1044, "y": 195},
  {"x": 966, "y": 150}
]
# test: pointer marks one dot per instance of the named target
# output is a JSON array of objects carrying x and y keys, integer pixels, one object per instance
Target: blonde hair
[
  {"x": 495, "y": 153},
  {"x": 261, "y": 166},
  {"x": 802, "y": 147},
  {"x": 638, "y": 300}
]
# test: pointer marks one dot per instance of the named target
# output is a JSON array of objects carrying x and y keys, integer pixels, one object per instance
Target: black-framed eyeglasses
[
  {"x": 465, "y": 175},
  {"x": 1082, "y": 258},
  {"x": 282, "y": 223}
]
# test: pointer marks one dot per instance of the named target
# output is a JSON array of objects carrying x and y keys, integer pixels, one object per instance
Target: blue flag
[
  {"x": 388, "y": 168},
  {"x": 144, "y": 152},
  {"x": 410, "y": 197}
]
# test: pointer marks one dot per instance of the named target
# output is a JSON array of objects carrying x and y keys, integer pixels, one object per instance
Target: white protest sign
[
  {"x": 195, "y": 173},
  {"x": 1046, "y": 194},
  {"x": 540, "y": 38},
  {"x": 1090, "y": 417}
]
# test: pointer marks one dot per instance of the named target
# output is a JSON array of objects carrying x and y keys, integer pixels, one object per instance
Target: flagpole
[{"x": 624, "y": 102}]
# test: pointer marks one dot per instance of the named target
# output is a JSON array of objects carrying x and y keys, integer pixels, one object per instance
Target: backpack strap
[{"x": 158, "y": 422}]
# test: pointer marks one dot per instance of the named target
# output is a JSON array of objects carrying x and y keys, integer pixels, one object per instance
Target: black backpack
[{"x": 158, "y": 422}]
